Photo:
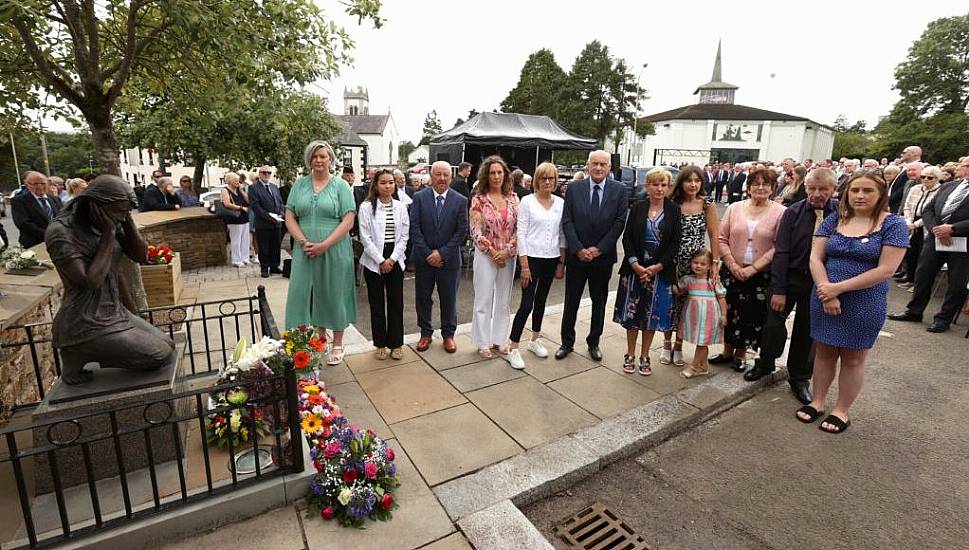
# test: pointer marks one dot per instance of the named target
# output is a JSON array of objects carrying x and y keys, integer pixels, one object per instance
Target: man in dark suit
[
  {"x": 735, "y": 189},
  {"x": 264, "y": 200},
  {"x": 723, "y": 177},
  {"x": 461, "y": 183},
  {"x": 156, "y": 199},
  {"x": 708, "y": 179},
  {"x": 592, "y": 220},
  {"x": 34, "y": 209},
  {"x": 911, "y": 155},
  {"x": 438, "y": 228},
  {"x": 946, "y": 219}
]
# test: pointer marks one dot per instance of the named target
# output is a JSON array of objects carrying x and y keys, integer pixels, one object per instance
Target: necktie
[
  {"x": 955, "y": 199},
  {"x": 439, "y": 208},
  {"x": 595, "y": 200},
  {"x": 48, "y": 211}
]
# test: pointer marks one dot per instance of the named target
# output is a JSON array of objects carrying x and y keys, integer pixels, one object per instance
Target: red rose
[
  {"x": 390, "y": 454},
  {"x": 386, "y": 502},
  {"x": 349, "y": 476},
  {"x": 327, "y": 513}
]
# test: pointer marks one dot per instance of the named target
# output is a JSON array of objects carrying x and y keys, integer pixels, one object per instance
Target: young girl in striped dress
[{"x": 704, "y": 311}]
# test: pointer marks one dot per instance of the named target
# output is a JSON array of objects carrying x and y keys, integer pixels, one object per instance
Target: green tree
[
  {"x": 432, "y": 127},
  {"x": 86, "y": 54},
  {"x": 404, "y": 149},
  {"x": 70, "y": 155},
  {"x": 850, "y": 140},
  {"x": 539, "y": 87}
]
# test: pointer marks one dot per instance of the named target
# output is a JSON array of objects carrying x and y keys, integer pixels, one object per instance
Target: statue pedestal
[{"x": 85, "y": 412}]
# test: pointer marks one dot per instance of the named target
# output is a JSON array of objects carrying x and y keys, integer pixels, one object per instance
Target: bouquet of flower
[
  {"x": 356, "y": 476},
  {"x": 160, "y": 255},
  {"x": 305, "y": 345},
  {"x": 16, "y": 257},
  {"x": 239, "y": 422},
  {"x": 317, "y": 410}
]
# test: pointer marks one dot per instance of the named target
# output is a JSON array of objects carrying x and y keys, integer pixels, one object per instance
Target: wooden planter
[{"x": 163, "y": 283}]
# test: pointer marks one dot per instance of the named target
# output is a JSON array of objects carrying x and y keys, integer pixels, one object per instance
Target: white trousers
[
  {"x": 492, "y": 292},
  {"x": 239, "y": 239}
]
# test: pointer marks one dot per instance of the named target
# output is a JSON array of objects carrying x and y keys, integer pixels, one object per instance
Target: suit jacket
[
  {"x": 634, "y": 239},
  {"x": 582, "y": 230},
  {"x": 723, "y": 176},
  {"x": 932, "y": 215},
  {"x": 735, "y": 189},
  {"x": 154, "y": 199},
  {"x": 896, "y": 193},
  {"x": 30, "y": 219},
  {"x": 446, "y": 236},
  {"x": 263, "y": 201},
  {"x": 460, "y": 184}
]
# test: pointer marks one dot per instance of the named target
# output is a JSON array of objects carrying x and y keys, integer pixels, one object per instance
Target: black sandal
[
  {"x": 720, "y": 359},
  {"x": 810, "y": 411},
  {"x": 842, "y": 425}
]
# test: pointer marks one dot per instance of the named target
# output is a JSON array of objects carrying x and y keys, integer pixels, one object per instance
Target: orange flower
[
  {"x": 301, "y": 359},
  {"x": 316, "y": 344},
  {"x": 315, "y": 399}
]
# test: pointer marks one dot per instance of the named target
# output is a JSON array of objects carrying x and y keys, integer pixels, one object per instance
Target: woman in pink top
[
  {"x": 747, "y": 249},
  {"x": 494, "y": 223}
]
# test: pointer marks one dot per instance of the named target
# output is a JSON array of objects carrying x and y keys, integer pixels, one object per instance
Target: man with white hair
[
  {"x": 896, "y": 187},
  {"x": 267, "y": 208},
  {"x": 33, "y": 209},
  {"x": 402, "y": 192},
  {"x": 593, "y": 219}
]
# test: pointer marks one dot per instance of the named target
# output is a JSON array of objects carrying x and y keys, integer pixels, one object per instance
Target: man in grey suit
[{"x": 593, "y": 219}]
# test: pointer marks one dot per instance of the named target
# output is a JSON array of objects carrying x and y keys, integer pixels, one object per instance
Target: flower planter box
[{"x": 163, "y": 283}]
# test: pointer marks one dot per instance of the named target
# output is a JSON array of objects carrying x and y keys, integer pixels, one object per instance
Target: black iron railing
[{"x": 156, "y": 452}]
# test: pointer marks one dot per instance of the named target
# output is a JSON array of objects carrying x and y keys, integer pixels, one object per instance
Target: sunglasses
[{"x": 928, "y": 177}]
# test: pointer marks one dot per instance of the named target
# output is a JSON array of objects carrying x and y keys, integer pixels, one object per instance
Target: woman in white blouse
[
  {"x": 915, "y": 202},
  {"x": 384, "y": 231},
  {"x": 541, "y": 255}
]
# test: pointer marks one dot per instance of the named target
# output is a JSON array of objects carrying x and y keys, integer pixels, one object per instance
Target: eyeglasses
[
  {"x": 928, "y": 177},
  {"x": 759, "y": 184},
  {"x": 548, "y": 178},
  {"x": 265, "y": 172}
]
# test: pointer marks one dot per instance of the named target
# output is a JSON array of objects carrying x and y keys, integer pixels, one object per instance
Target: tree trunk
[
  {"x": 105, "y": 142},
  {"x": 199, "y": 161}
]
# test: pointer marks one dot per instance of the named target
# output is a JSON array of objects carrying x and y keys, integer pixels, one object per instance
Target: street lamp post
[{"x": 636, "y": 117}]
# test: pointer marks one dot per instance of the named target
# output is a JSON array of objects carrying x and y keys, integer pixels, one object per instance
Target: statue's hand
[{"x": 100, "y": 219}]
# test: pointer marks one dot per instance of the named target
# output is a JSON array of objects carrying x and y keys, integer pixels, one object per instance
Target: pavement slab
[
  {"x": 356, "y": 406},
  {"x": 367, "y": 361},
  {"x": 502, "y": 527},
  {"x": 529, "y": 411},
  {"x": 549, "y": 369},
  {"x": 479, "y": 375},
  {"x": 278, "y": 529},
  {"x": 454, "y": 541},
  {"x": 436, "y": 357},
  {"x": 453, "y": 442},
  {"x": 603, "y": 392},
  {"x": 408, "y": 391}
]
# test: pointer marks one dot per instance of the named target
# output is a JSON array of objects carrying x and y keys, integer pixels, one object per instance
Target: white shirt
[
  {"x": 540, "y": 232},
  {"x": 602, "y": 189},
  {"x": 372, "y": 228},
  {"x": 436, "y": 195},
  {"x": 404, "y": 197}
]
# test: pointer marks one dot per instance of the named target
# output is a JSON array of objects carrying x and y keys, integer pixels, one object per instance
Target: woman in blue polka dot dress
[{"x": 855, "y": 252}]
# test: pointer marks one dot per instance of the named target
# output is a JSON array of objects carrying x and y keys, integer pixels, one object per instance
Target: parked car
[{"x": 634, "y": 177}]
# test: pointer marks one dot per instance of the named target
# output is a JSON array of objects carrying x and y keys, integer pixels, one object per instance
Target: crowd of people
[{"x": 820, "y": 240}]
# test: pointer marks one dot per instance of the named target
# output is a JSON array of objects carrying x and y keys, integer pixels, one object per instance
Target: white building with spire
[
  {"x": 716, "y": 129},
  {"x": 367, "y": 140}
]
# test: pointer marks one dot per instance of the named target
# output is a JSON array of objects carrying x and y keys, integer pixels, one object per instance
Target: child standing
[{"x": 704, "y": 311}]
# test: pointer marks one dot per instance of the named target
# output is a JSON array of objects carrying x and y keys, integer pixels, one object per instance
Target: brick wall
[
  {"x": 201, "y": 242},
  {"x": 18, "y": 381}
]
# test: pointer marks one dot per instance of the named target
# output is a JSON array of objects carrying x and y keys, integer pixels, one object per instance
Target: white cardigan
[{"x": 372, "y": 233}]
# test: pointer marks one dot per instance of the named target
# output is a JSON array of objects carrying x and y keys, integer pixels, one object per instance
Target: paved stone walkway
[{"x": 449, "y": 415}]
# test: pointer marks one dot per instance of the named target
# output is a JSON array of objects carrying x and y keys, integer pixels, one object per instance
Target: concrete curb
[
  {"x": 483, "y": 497},
  {"x": 502, "y": 527}
]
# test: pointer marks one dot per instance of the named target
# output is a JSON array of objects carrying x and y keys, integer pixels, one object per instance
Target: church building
[
  {"x": 715, "y": 129},
  {"x": 367, "y": 140}
]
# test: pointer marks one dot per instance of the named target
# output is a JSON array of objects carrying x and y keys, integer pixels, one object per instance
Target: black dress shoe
[
  {"x": 905, "y": 316},
  {"x": 720, "y": 359},
  {"x": 756, "y": 373},
  {"x": 938, "y": 326},
  {"x": 595, "y": 353},
  {"x": 802, "y": 392},
  {"x": 739, "y": 365},
  {"x": 264, "y": 274},
  {"x": 562, "y": 352},
  {"x": 275, "y": 271}
]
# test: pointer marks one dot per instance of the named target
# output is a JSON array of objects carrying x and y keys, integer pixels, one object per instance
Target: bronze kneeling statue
[{"x": 85, "y": 242}]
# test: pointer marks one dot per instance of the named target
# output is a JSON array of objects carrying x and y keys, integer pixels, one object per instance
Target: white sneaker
[
  {"x": 237, "y": 265},
  {"x": 678, "y": 358},
  {"x": 665, "y": 356},
  {"x": 515, "y": 359},
  {"x": 536, "y": 347}
]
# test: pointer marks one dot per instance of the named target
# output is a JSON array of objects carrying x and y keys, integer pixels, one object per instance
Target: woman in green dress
[{"x": 319, "y": 216}]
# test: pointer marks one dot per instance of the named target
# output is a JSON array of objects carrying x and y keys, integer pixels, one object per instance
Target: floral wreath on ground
[{"x": 246, "y": 409}]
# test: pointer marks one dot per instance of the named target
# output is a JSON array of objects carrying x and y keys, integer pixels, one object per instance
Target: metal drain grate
[{"x": 598, "y": 528}]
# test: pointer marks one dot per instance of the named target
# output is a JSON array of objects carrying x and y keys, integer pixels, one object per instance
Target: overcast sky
[{"x": 812, "y": 59}]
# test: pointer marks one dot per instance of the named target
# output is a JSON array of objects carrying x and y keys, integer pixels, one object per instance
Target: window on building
[
  {"x": 714, "y": 136},
  {"x": 390, "y": 152},
  {"x": 760, "y": 131}
]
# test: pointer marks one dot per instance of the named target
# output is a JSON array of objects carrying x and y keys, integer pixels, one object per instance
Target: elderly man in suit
[
  {"x": 946, "y": 222},
  {"x": 735, "y": 189},
  {"x": 34, "y": 209},
  {"x": 266, "y": 205},
  {"x": 723, "y": 177},
  {"x": 592, "y": 220},
  {"x": 438, "y": 228}
]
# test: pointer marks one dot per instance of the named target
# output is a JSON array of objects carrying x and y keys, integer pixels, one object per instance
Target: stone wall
[
  {"x": 201, "y": 241},
  {"x": 18, "y": 381}
]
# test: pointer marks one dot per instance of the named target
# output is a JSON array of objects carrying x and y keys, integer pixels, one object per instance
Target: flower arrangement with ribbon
[
  {"x": 16, "y": 257},
  {"x": 356, "y": 476},
  {"x": 306, "y": 345},
  {"x": 160, "y": 255}
]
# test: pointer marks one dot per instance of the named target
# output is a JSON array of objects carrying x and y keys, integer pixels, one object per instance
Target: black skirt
[{"x": 746, "y": 308}]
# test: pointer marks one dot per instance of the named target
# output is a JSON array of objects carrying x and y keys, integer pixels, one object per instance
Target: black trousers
[
  {"x": 385, "y": 292},
  {"x": 800, "y": 357},
  {"x": 534, "y": 296},
  {"x": 915, "y": 242},
  {"x": 718, "y": 190},
  {"x": 269, "y": 241},
  {"x": 577, "y": 274},
  {"x": 930, "y": 262}
]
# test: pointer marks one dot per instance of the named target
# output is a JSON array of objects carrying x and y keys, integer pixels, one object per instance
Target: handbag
[{"x": 225, "y": 214}]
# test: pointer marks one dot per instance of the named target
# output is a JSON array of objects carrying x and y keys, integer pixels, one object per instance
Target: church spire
[
  {"x": 716, "y": 64},
  {"x": 716, "y": 91}
]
